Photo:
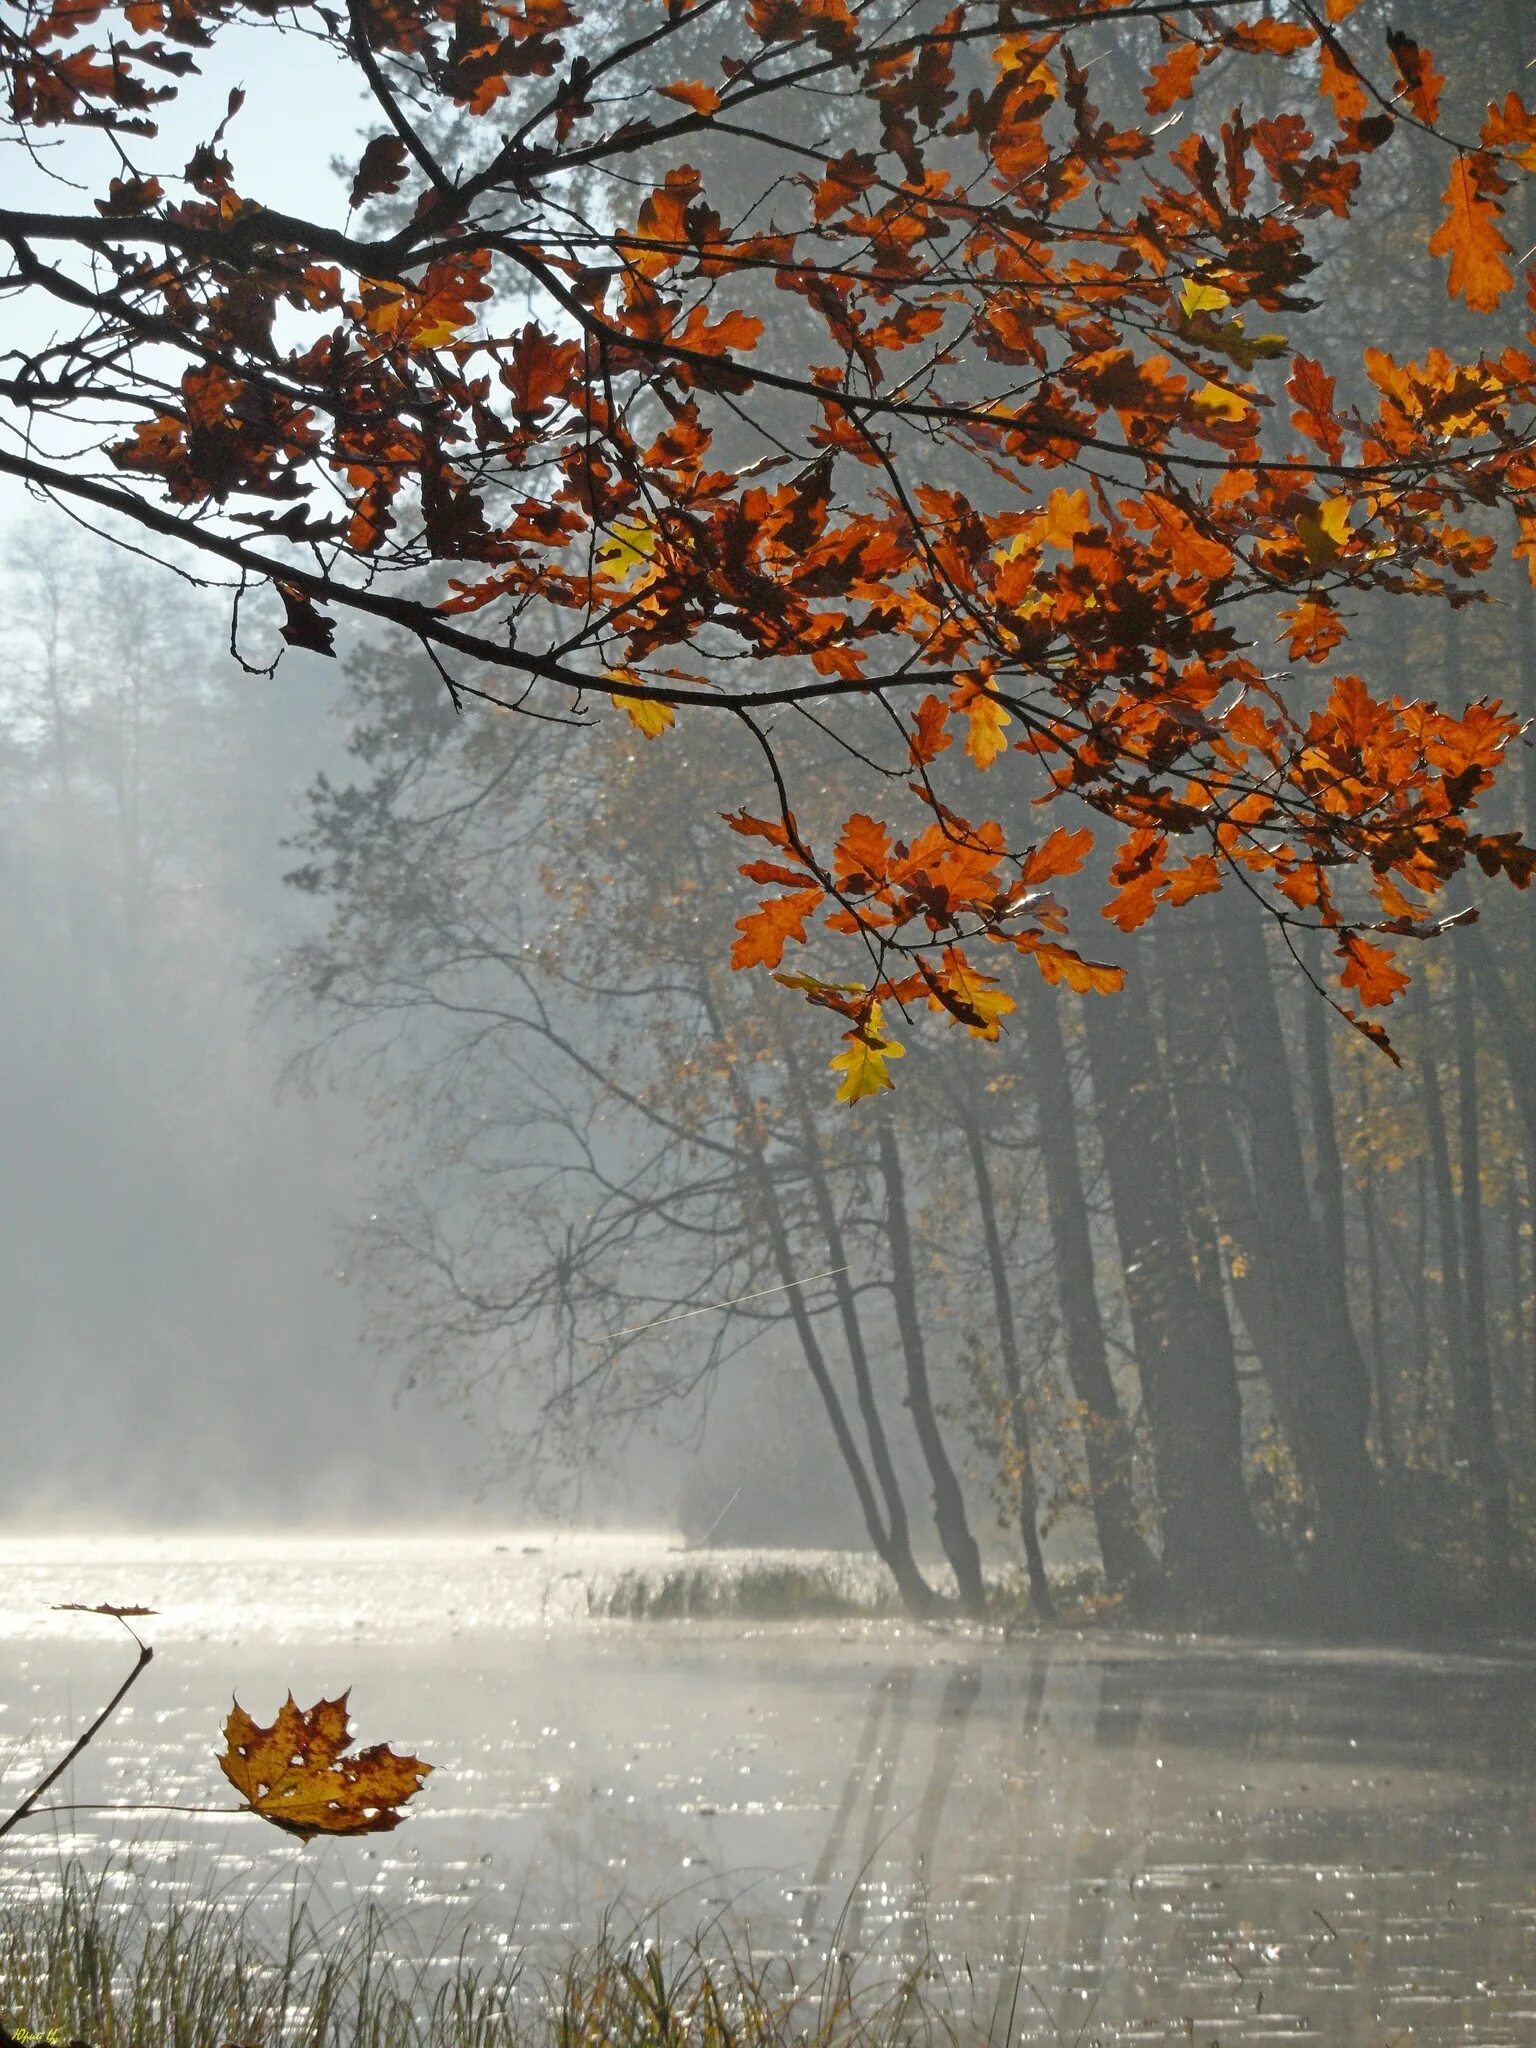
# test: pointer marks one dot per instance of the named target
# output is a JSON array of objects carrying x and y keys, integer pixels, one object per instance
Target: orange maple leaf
[{"x": 297, "y": 1774}]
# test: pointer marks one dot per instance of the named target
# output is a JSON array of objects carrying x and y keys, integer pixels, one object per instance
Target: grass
[
  {"x": 76, "y": 1966},
  {"x": 838, "y": 1589},
  {"x": 754, "y": 1590}
]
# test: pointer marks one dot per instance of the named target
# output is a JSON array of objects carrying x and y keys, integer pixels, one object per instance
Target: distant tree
[{"x": 914, "y": 395}]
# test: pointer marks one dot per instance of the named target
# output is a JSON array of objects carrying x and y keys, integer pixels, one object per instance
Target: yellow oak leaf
[
  {"x": 1202, "y": 298},
  {"x": 985, "y": 720},
  {"x": 1215, "y": 402},
  {"x": 975, "y": 992},
  {"x": 627, "y": 546},
  {"x": 1066, "y": 516},
  {"x": 863, "y": 1066},
  {"x": 1323, "y": 530},
  {"x": 646, "y": 715}
]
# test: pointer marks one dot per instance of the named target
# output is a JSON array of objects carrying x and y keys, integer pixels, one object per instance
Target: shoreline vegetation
[
  {"x": 745, "y": 1587},
  {"x": 723, "y": 1586},
  {"x": 79, "y": 1966}
]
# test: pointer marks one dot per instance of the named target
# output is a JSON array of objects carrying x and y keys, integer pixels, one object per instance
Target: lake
[{"x": 1265, "y": 1842}]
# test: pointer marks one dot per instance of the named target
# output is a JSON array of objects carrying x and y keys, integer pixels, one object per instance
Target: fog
[
  {"x": 181, "y": 1348},
  {"x": 185, "y": 1343}
]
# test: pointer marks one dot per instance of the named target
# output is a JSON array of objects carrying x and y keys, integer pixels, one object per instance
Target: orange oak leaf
[
  {"x": 930, "y": 737},
  {"x": 1312, "y": 388},
  {"x": 1066, "y": 516},
  {"x": 1470, "y": 234},
  {"x": 863, "y": 852},
  {"x": 692, "y": 92},
  {"x": 1061, "y": 852},
  {"x": 971, "y": 998},
  {"x": 1278, "y": 38},
  {"x": 1173, "y": 79},
  {"x": 1316, "y": 629},
  {"x": 767, "y": 930},
  {"x": 1343, "y": 85},
  {"x": 1063, "y": 968},
  {"x": 1422, "y": 83},
  {"x": 1370, "y": 971},
  {"x": 1512, "y": 128},
  {"x": 298, "y": 1775}
]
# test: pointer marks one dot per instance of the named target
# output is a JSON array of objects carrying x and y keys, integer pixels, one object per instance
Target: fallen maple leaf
[{"x": 296, "y": 1773}]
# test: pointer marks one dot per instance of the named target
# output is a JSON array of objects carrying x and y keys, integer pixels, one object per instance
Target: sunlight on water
[{"x": 1278, "y": 1844}]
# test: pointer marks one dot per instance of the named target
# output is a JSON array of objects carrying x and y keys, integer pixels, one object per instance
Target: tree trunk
[
  {"x": 1211, "y": 1549},
  {"x": 916, "y": 1594},
  {"x": 1516, "y": 1037},
  {"x": 1327, "y": 1166},
  {"x": 1482, "y": 1433},
  {"x": 1447, "y": 1223},
  {"x": 1106, "y": 1439},
  {"x": 1013, "y": 1367},
  {"x": 1385, "y": 1438},
  {"x": 948, "y": 1502},
  {"x": 898, "y": 1530},
  {"x": 1311, "y": 1354}
]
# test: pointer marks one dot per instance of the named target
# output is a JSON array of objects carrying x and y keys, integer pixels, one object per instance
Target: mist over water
[{"x": 1280, "y": 1843}]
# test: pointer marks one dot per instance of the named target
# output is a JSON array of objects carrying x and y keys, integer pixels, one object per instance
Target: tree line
[{"x": 1191, "y": 1267}]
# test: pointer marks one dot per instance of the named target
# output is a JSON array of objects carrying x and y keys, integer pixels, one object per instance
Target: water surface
[{"x": 1234, "y": 1843}]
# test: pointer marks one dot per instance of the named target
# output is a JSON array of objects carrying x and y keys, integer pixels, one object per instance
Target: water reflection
[{"x": 1270, "y": 1844}]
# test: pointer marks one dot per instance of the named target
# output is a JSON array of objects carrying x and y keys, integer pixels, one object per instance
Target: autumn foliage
[
  {"x": 757, "y": 357},
  {"x": 298, "y": 1773}
]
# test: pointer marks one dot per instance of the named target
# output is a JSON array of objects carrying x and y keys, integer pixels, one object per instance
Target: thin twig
[{"x": 83, "y": 1740}]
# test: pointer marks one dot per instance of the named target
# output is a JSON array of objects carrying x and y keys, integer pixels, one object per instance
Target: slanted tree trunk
[
  {"x": 1310, "y": 1352},
  {"x": 1106, "y": 1438},
  {"x": 1211, "y": 1548},
  {"x": 890, "y": 1543},
  {"x": 897, "y": 1527},
  {"x": 949, "y": 1514},
  {"x": 1012, "y": 1363}
]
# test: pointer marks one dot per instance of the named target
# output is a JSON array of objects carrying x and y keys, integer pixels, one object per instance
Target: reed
[{"x": 79, "y": 1965}]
